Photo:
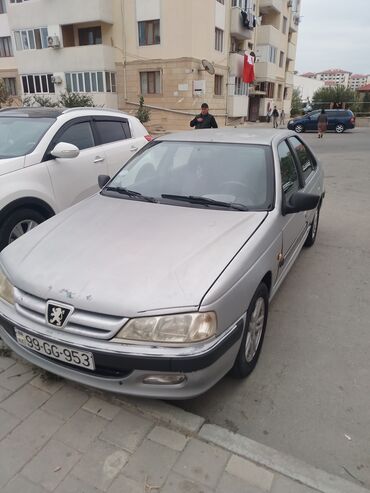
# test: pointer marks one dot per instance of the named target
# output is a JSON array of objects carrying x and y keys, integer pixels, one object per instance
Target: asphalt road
[{"x": 310, "y": 393}]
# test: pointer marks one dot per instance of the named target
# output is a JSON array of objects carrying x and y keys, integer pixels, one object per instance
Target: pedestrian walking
[
  {"x": 322, "y": 124},
  {"x": 204, "y": 119},
  {"x": 269, "y": 115},
  {"x": 275, "y": 116},
  {"x": 282, "y": 117}
]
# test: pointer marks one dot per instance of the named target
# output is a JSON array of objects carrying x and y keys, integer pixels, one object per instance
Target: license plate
[{"x": 55, "y": 351}]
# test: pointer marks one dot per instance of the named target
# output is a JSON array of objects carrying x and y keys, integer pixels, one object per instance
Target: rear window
[
  {"x": 112, "y": 130},
  {"x": 20, "y": 136}
]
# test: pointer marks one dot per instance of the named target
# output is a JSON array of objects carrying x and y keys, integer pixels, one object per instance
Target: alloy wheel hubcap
[
  {"x": 255, "y": 329},
  {"x": 21, "y": 228}
]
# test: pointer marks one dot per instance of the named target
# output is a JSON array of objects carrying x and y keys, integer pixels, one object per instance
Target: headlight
[
  {"x": 6, "y": 289},
  {"x": 290, "y": 122},
  {"x": 186, "y": 328}
]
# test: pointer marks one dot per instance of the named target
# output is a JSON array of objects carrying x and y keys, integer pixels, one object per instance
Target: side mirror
[
  {"x": 65, "y": 151},
  {"x": 301, "y": 201},
  {"x": 103, "y": 180}
]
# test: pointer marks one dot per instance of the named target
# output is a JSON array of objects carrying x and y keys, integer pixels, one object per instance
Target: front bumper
[{"x": 122, "y": 368}]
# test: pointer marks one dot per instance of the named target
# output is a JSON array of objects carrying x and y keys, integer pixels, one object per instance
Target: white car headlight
[
  {"x": 185, "y": 328},
  {"x": 6, "y": 289}
]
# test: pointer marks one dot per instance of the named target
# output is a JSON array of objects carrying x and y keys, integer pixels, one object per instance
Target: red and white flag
[{"x": 248, "y": 72}]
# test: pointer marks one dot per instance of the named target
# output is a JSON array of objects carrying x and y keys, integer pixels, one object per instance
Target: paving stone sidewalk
[{"x": 58, "y": 437}]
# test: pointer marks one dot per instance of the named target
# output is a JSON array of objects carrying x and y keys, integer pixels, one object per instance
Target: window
[
  {"x": 38, "y": 84},
  {"x": 305, "y": 158},
  {"x": 149, "y": 33},
  {"x": 150, "y": 82},
  {"x": 286, "y": 93},
  {"x": 79, "y": 134},
  {"x": 17, "y": 1},
  {"x": 289, "y": 175},
  {"x": 243, "y": 4},
  {"x": 2, "y": 6},
  {"x": 241, "y": 88},
  {"x": 219, "y": 39},
  {"x": 221, "y": 1},
  {"x": 280, "y": 91},
  {"x": 285, "y": 22},
  {"x": 32, "y": 39},
  {"x": 90, "y": 36},
  {"x": 281, "y": 60},
  {"x": 91, "y": 81},
  {"x": 218, "y": 85},
  {"x": 110, "y": 131},
  {"x": 272, "y": 54},
  {"x": 268, "y": 88},
  {"x": 6, "y": 48},
  {"x": 10, "y": 86}
]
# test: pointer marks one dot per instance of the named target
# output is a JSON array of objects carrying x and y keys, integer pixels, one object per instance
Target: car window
[
  {"x": 232, "y": 173},
  {"x": 305, "y": 158},
  {"x": 20, "y": 136},
  {"x": 78, "y": 134},
  {"x": 110, "y": 131},
  {"x": 289, "y": 174}
]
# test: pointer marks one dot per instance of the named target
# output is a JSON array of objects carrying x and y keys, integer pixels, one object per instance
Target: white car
[{"x": 51, "y": 158}]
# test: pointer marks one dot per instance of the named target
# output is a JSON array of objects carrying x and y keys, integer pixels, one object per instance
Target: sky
[{"x": 334, "y": 34}]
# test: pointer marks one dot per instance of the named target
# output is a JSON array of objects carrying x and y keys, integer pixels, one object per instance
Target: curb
[{"x": 242, "y": 446}]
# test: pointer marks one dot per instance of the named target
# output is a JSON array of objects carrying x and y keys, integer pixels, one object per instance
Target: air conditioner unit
[
  {"x": 53, "y": 42},
  {"x": 56, "y": 79}
]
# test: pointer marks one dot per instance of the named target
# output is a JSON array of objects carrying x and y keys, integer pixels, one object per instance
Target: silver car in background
[{"x": 160, "y": 284}]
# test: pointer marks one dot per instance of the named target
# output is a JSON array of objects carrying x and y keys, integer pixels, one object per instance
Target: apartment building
[
  {"x": 334, "y": 76},
  {"x": 358, "y": 80},
  {"x": 8, "y": 64},
  {"x": 118, "y": 50}
]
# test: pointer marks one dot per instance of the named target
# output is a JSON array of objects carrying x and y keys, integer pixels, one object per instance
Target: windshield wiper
[
  {"x": 193, "y": 199},
  {"x": 130, "y": 193}
]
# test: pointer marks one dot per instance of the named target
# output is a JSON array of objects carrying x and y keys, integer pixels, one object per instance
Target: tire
[
  {"x": 244, "y": 365},
  {"x": 299, "y": 128},
  {"x": 312, "y": 235},
  {"x": 339, "y": 128},
  {"x": 24, "y": 219}
]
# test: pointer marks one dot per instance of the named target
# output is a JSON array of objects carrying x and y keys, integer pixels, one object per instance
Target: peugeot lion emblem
[{"x": 57, "y": 314}]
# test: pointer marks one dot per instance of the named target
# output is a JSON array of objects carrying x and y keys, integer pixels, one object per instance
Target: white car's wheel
[{"x": 17, "y": 224}]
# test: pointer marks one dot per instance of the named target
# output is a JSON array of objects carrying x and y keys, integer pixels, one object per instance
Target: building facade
[
  {"x": 119, "y": 50},
  {"x": 334, "y": 76},
  {"x": 358, "y": 80},
  {"x": 307, "y": 86}
]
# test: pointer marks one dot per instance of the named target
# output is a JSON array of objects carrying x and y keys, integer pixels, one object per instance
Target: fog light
[{"x": 164, "y": 379}]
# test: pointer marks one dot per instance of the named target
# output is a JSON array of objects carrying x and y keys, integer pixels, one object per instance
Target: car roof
[
  {"x": 251, "y": 135},
  {"x": 43, "y": 112}
]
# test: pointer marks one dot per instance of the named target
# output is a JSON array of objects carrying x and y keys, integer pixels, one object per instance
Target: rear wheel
[
  {"x": 339, "y": 128},
  {"x": 17, "y": 224},
  {"x": 299, "y": 128},
  {"x": 254, "y": 333}
]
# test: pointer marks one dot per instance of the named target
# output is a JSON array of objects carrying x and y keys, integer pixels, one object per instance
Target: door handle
[
  {"x": 134, "y": 149},
  {"x": 98, "y": 159}
]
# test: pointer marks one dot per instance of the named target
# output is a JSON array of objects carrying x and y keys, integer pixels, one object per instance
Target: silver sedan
[{"x": 160, "y": 284}]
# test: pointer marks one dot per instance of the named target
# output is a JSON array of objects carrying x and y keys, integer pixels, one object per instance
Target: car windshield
[
  {"x": 234, "y": 176},
  {"x": 19, "y": 136}
]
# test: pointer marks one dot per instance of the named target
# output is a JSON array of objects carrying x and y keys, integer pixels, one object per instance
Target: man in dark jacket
[{"x": 204, "y": 119}]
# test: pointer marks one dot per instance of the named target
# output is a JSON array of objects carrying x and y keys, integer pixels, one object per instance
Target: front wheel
[
  {"x": 299, "y": 129},
  {"x": 339, "y": 128},
  {"x": 254, "y": 332},
  {"x": 17, "y": 224}
]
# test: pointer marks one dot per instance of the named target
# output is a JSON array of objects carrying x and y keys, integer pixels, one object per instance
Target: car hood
[
  {"x": 9, "y": 165},
  {"x": 125, "y": 257}
]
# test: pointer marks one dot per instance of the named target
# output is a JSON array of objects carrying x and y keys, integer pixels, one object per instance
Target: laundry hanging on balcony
[
  {"x": 248, "y": 71},
  {"x": 248, "y": 20}
]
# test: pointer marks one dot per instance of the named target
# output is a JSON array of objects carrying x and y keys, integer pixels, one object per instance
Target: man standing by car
[{"x": 204, "y": 119}]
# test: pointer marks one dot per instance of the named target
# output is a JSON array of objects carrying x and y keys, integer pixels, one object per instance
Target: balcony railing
[{"x": 267, "y": 6}]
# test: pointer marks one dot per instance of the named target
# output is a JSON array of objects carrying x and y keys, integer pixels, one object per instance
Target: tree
[
  {"x": 339, "y": 96},
  {"x": 75, "y": 100},
  {"x": 4, "y": 95},
  {"x": 143, "y": 114},
  {"x": 296, "y": 103},
  {"x": 42, "y": 101}
]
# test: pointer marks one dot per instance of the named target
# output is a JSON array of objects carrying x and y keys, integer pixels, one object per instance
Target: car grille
[{"x": 81, "y": 322}]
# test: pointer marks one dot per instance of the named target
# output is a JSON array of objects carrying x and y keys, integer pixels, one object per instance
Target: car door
[
  {"x": 311, "y": 123},
  {"x": 115, "y": 141},
  {"x": 77, "y": 178},
  {"x": 293, "y": 225}
]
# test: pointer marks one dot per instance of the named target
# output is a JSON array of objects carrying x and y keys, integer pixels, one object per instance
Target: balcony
[
  {"x": 266, "y": 71},
  {"x": 236, "y": 64},
  {"x": 237, "y": 29},
  {"x": 79, "y": 58},
  {"x": 294, "y": 23},
  {"x": 268, "y": 6},
  {"x": 54, "y": 12},
  {"x": 291, "y": 54},
  {"x": 268, "y": 35}
]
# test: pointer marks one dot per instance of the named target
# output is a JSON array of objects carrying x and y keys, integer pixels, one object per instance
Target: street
[{"x": 310, "y": 393}]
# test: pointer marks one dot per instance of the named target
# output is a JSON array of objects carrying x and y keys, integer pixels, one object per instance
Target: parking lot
[{"x": 310, "y": 393}]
